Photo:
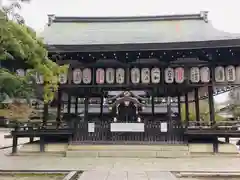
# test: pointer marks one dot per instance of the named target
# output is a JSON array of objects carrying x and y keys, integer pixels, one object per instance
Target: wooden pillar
[
  {"x": 101, "y": 106},
  {"x": 45, "y": 114},
  {"x": 76, "y": 105},
  {"x": 196, "y": 98},
  {"x": 211, "y": 105},
  {"x": 86, "y": 103},
  {"x": 186, "y": 109},
  {"x": 59, "y": 105},
  {"x": 179, "y": 107},
  {"x": 69, "y": 104},
  {"x": 14, "y": 144},
  {"x": 42, "y": 144},
  {"x": 153, "y": 104},
  {"x": 169, "y": 109}
]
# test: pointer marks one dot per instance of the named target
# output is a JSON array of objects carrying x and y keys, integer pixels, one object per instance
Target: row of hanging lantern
[{"x": 146, "y": 75}]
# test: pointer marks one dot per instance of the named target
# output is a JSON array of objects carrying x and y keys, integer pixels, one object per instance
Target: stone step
[
  {"x": 128, "y": 148},
  {"x": 128, "y": 154}
]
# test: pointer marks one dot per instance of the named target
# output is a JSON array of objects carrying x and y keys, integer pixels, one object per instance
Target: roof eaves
[{"x": 60, "y": 19}]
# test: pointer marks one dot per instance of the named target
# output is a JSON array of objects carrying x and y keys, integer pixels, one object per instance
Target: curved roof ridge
[{"x": 203, "y": 15}]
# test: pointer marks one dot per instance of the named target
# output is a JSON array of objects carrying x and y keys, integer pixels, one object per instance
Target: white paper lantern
[
  {"x": 238, "y": 74},
  {"x": 110, "y": 75},
  {"x": 230, "y": 72},
  {"x": 179, "y": 75},
  {"x": 29, "y": 72},
  {"x": 87, "y": 76},
  {"x": 155, "y": 75},
  {"x": 194, "y": 74},
  {"x": 135, "y": 75},
  {"x": 120, "y": 76},
  {"x": 100, "y": 76},
  {"x": 20, "y": 72},
  {"x": 77, "y": 76},
  {"x": 63, "y": 78},
  {"x": 169, "y": 75},
  {"x": 219, "y": 74},
  {"x": 145, "y": 75},
  {"x": 39, "y": 78},
  {"x": 205, "y": 74}
]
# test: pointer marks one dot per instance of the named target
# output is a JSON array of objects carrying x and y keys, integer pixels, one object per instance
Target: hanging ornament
[
  {"x": 155, "y": 75},
  {"x": 145, "y": 75}
]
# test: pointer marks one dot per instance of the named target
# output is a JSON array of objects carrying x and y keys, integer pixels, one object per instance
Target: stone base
[{"x": 131, "y": 151}]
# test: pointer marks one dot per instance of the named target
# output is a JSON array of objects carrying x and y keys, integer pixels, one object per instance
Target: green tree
[
  {"x": 203, "y": 110},
  {"x": 20, "y": 44}
]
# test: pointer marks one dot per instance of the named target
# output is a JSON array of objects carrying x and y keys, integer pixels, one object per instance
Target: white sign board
[
  {"x": 20, "y": 72},
  {"x": 127, "y": 127},
  {"x": 164, "y": 127},
  {"x": 91, "y": 127}
]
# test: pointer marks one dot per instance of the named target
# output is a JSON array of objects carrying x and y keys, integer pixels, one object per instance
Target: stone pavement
[
  {"x": 127, "y": 168},
  {"x": 125, "y": 175},
  {"x": 8, "y": 142}
]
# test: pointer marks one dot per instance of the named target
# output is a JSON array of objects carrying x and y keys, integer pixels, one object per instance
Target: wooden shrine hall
[{"x": 129, "y": 77}]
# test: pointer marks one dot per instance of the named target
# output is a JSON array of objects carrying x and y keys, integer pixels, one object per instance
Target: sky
[{"x": 224, "y": 15}]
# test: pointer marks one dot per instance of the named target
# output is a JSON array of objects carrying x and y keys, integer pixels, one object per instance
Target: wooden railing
[{"x": 219, "y": 125}]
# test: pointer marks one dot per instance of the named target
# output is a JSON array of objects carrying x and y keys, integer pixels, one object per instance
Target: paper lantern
[
  {"x": 219, "y": 74},
  {"x": 77, "y": 76},
  {"x": 155, "y": 75},
  {"x": 87, "y": 76},
  {"x": 110, "y": 75},
  {"x": 135, "y": 75},
  {"x": 120, "y": 76},
  {"x": 169, "y": 75},
  {"x": 205, "y": 74},
  {"x": 145, "y": 75},
  {"x": 100, "y": 76},
  {"x": 230, "y": 73},
  {"x": 195, "y": 74},
  {"x": 179, "y": 75}
]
